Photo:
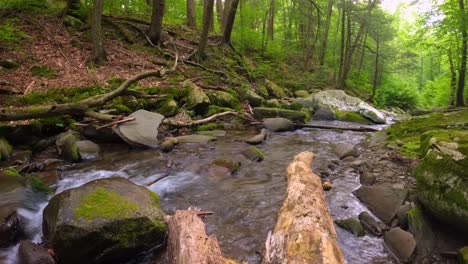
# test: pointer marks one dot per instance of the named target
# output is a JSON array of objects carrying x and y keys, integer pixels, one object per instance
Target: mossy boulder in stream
[
  {"x": 442, "y": 176},
  {"x": 104, "y": 221},
  {"x": 197, "y": 100},
  {"x": 66, "y": 146},
  {"x": 167, "y": 107},
  {"x": 224, "y": 99},
  {"x": 295, "y": 116},
  {"x": 274, "y": 90}
]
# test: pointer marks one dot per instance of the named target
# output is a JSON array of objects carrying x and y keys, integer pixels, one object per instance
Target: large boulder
[
  {"x": 340, "y": 100},
  {"x": 401, "y": 243},
  {"x": 278, "y": 124},
  {"x": 442, "y": 176},
  {"x": 103, "y": 221},
  {"x": 383, "y": 201},
  {"x": 30, "y": 253},
  {"x": 274, "y": 90},
  {"x": 371, "y": 225},
  {"x": 88, "y": 149},
  {"x": 224, "y": 99},
  {"x": 295, "y": 116},
  {"x": 66, "y": 146},
  {"x": 324, "y": 113},
  {"x": 345, "y": 150},
  {"x": 5, "y": 149},
  {"x": 142, "y": 131},
  {"x": 253, "y": 98},
  {"x": 197, "y": 100}
]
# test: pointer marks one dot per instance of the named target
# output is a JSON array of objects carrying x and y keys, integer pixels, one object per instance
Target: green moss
[
  {"x": 167, "y": 107},
  {"x": 232, "y": 166},
  {"x": 102, "y": 203},
  {"x": 213, "y": 109},
  {"x": 43, "y": 71},
  {"x": 11, "y": 172},
  {"x": 209, "y": 126},
  {"x": 415, "y": 218},
  {"x": 259, "y": 152},
  {"x": 410, "y": 149},
  {"x": 155, "y": 198},
  {"x": 58, "y": 121},
  {"x": 295, "y": 116},
  {"x": 351, "y": 117},
  {"x": 38, "y": 186}
]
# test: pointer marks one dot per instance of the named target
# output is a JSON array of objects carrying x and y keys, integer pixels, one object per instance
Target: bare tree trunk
[
  {"x": 304, "y": 231},
  {"x": 340, "y": 82},
  {"x": 157, "y": 15},
  {"x": 227, "y": 7},
  {"x": 453, "y": 79},
  {"x": 462, "y": 72},
  {"x": 323, "y": 50},
  {"x": 226, "y": 40},
  {"x": 188, "y": 242},
  {"x": 219, "y": 13},
  {"x": 98, "y": 53},
  {"x": 271, "y": 19},
  {"x": 207, "y": 18},
  {"x": 376, "y": 70},
  {"x": 363, "y": 52},
  {"x": 191, "y": 15}
]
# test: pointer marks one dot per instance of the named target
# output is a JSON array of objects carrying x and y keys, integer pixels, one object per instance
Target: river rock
[
  {"x": 301, "y": 93},
  {"x": 5, "y": 149},
  {"x": 253, "y": 98},
  {"x": 197, "y": 100},
  {"x": 346, "y": 150},
  {"x": 340, "y": 100},
  {"x": 11, "y": 229},
  {"x": 88, "y": 149},
  {"x": 402, "y": 215},
  {"x": 253, "y": 153},
  {"x": 367, "y": 178},
  {"x": 196, "y": 138},
  {"x": 224, "y": 99},
  {"x": 401, "y": 243},
  {"x": 293, "y": 115},
  {"x": 384, "y": 202},
  {"x": 370, "y": 224},
  {"x": 167, "y": 107},
  {"x": 258, "y": 139},
  {"x": 351, "y": 225},
  {"x": 142, "y": 131},
  {"x": 229, "y": 166},
  {"x": 66, "y": 146},
  {"x": 442, "y": 176},
  {"x": 278, "y": 124},
  {"x": 119, "y": 217},
  {"x": 169, "y": 144},
  {"x": 274, "y": 90},
  {"x": 324, "y": 113},
  {"x": 30, "y": 253}
]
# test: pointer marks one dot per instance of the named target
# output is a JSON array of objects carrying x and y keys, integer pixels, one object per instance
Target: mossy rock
[
  {"x": 167, "y": 107},
  {"x": 271, "y": 103},
  {"x": 224, "y": 99},
  {"x": 352, "y": 225},
  {"x": 121, "y": 218},
  {"x": 209, "y": 127},
  {"x": 231, "y": 165},
  {"x": 66, "y": 146},
  {"x": 453, "y": 143},
  {"x": 253, "y": 153},
  {"x": 253, "y": 98},
  {"x": 301, "y": 93},
  {"x": 295, "y": 116},
  {"x": 5, "y": 149},
  {"x": 214, "y": 109},
  {"x": 262, "y": 91},
  {"x": 274, "y": 90},
  {"x": 353, "y": 117},
  {"x": 196, "y": 99}
]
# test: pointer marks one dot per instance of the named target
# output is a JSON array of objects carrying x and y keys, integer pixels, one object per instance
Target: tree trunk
[
  {"x": 340, "y": 82},
  {"x": 207, "y": 18},
  {"x": 72, "y": 5},
  {"x": 98, "y": 53},
  {"x": 453, "y": 79},
  {"x": 191, "y": 15},
  {"x": 226, "y": 40},
  {"x": 462, "y": 73},
  {"x": 219, "y": 13},
  {"x": 304, "y": 231},
  {"x": 157, "y": 15},
  {"x": 227, "y": 6},
  {"x": 271, "y": 20},
  {"x": 323, "y": 50},
  {"x": 188, "y": 242},
  {"x": 376, "y": 71}
]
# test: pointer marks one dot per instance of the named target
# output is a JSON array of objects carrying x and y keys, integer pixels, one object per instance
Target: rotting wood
[
  {"x": 304, "y": 231},
  {"x": 188, "y": 242}
]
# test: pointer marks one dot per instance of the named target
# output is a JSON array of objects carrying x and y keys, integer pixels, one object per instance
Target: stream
[{"x": 245, "y": 205}]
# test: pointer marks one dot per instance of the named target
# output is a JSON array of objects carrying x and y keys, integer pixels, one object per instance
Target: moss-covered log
[
  {"x": 188, "y": 242},
  {"x": 304, "y": 231},
  {"x": 80, "y": 107}
]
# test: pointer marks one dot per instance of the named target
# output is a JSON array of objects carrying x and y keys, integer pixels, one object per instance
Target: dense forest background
[{"x": 401, "y": 59}]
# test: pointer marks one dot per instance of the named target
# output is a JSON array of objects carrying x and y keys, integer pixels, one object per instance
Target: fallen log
[
  {"x": 188, "y": 242},
  {"x": 360, "y": 128},
  {"x": 304, "y": 231}
]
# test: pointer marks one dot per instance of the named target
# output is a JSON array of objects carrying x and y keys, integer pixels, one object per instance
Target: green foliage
[
  {"x": 103, "y": 203},
  {"x": 38, "y": 186},
  {"x": 397, "y": 93},
  {"x": 9, "y": 34},
  {"x": 43, "y": 71},
  {"x": 11, "y": 172},
  {"x": 351, "y": 117},
  {"x": 23, "y": 5},
  {"x": 209, "y": 127},
  {"x": 436, "y": 93}
]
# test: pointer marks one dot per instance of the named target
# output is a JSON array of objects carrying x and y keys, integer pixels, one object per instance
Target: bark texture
[
  {"x": 98, "y": 54},
  {"x": 188, "y": 242},
  {"x": 191, "y": 15},
  {"x": 304, "y": 231},
  {"x": 207, "y": 19},
  {"x": 229, "y": 22},
  {"x": 157, "y": 15}
]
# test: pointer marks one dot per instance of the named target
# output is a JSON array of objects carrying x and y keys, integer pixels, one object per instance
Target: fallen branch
[
  {"x": 202, "y": 121},
  {"x": 361, "y": 128},
  {"x": 80, "y": 107},
  {"x": 304, "y": 231},
  {"x": 116, "y": 122},
  {"x": 188, "y": 241},
  {"x": 158, "y": 179}
]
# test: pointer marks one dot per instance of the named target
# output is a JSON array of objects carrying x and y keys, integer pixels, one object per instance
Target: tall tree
[
  {"x": 271, "y": 19},
  {"x": 323, "y": 50},
  {"x": 191, "y": 15},
  {"x": 207, "y": 20},
  {"x": 229, "y": 24},
  {"x": 155, "y": 30},
  {"x": 98, "y": 53},
  {"x": 219, "y": 14},
  {"x": 462, "y": 72},
  {"x": 71, "y": 6}
]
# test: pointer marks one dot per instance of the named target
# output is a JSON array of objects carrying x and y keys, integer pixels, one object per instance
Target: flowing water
[{"x": 245, "y": 205}]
